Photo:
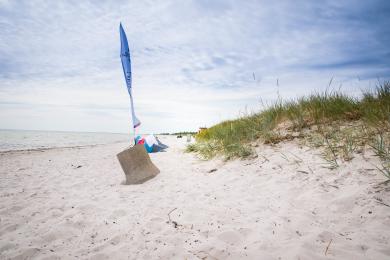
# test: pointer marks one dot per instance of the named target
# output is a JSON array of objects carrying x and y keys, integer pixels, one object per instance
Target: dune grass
[
  {"x": 335, "y": 121},
  {"x": 382, "y": 150}
]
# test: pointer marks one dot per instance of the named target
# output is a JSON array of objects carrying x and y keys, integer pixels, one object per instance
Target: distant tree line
[{"x": 180, "y": 133}]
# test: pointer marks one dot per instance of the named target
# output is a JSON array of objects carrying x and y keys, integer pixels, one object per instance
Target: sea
[{"x": 13, "y": 140}]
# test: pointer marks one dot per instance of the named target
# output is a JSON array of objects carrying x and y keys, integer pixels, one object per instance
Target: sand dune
[{"x": 69, "y": 203}]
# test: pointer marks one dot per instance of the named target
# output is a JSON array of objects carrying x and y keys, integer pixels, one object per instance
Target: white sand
[{"x": 286, "y": 206}]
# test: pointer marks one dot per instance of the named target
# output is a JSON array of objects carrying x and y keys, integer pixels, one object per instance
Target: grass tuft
[
  {"x": 382, "y": 150},
  {"x": 333, "y": 120}
]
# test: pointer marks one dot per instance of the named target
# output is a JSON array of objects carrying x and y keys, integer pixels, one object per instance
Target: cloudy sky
[{"x": 195, "y": 63}]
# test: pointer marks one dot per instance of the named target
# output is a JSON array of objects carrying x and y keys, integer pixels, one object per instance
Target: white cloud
[{"x": 193, "y": 61}]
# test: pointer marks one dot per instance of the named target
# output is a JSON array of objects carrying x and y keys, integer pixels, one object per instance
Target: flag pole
[{"x": 132, "y": 116}]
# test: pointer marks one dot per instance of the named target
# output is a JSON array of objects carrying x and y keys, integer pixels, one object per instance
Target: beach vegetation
[{"x": 340, "y": 124}]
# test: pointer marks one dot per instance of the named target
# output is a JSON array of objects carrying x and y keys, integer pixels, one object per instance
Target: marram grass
[{"x": 333, "y": 118}]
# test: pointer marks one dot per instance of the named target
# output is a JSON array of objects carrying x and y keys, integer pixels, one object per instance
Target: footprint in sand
[
  {"x": 27, "y": 253},
  {"x": 156, "y": 224},
  {"x": 51, "y": 236},
  {"x": 11, "y": 210},
  {"x": 326, "y": 236},
  {"x": 56, "y": 212},
  {"x": 100, "y": 256},
  {"x": 118, "y": 213},
  {"x": 9, "y": 228},
  {"x": 230, "y": 237}
]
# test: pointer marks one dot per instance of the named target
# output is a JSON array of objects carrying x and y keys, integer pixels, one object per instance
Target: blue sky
[{"x": 195, "y": 63}]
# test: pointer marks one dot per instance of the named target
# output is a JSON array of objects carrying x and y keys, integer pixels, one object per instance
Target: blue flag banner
[{"x": 126, "y": 65}]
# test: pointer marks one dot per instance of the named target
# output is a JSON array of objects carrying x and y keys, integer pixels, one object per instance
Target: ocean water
[{"x": 11, "y": 140}]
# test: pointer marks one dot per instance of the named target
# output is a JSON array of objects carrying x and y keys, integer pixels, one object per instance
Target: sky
[{"x": 194, "y": 62}]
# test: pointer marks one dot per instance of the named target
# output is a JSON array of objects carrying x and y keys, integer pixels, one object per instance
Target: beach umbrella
[{"x": 126, "y": 65}]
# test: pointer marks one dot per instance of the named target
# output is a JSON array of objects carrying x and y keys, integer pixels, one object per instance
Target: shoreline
[{"x": 57, "y": 148}]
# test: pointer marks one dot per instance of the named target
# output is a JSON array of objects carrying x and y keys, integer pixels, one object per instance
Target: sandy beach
[{"x": 69, "y": 203}]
